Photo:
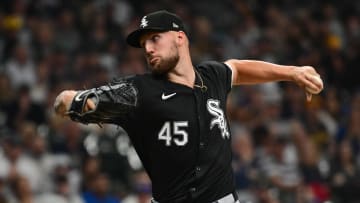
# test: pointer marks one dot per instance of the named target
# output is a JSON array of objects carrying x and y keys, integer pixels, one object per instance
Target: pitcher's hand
[
  {"x": 307, "y": 78},
  {"x": 63, "y": 102}
]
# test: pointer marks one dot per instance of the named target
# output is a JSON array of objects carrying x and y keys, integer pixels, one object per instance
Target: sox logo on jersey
[{"x": 213, "y": 106}]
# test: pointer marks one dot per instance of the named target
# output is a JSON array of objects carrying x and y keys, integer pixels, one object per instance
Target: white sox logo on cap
[
  {"x": 144, "y": 22},
  {"x": 160, "y": 21}
]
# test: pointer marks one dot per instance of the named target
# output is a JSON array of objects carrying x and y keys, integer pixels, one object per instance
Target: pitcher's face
[{"x": 161, "y": 51}]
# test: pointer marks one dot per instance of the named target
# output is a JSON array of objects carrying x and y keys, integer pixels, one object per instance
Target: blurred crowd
[{"x": 286, "y": 150}]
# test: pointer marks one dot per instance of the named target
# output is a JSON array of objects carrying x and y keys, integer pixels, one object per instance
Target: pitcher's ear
[{"x": 181, "y": 37}]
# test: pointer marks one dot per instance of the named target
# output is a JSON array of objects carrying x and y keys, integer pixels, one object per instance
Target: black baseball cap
[{"x": 157, "y": 21}]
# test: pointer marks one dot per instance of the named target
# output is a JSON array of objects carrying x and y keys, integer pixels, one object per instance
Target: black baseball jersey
[{"x": 180, "y": 133}]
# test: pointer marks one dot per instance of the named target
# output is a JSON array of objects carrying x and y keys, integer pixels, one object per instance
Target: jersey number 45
[{"x": 178, "y": 135}]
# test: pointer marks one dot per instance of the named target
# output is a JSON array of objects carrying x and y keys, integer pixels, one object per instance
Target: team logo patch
[
  {"x": 213, "y": 106},
  {"x": 144, "y": 22}
]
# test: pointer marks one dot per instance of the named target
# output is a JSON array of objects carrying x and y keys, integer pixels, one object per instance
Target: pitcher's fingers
[
  {"x": 308, "y": 96},
  {"x": 309, "y": 84},
  {"x": 315, "y": 80}
]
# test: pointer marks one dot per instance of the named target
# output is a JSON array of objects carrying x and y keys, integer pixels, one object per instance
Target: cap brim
[{"x": 133, "y": 39}]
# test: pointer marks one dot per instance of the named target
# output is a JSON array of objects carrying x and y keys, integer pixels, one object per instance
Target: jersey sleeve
[
  {"x": 219, "y": 73},
  {"x": 113, "y": 102}
]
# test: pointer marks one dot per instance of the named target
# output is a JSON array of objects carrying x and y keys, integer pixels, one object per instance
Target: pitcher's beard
[{"x": 167, "y": 64}]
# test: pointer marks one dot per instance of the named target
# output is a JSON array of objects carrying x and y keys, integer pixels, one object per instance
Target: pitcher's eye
[{"x": 155, "y": 38}]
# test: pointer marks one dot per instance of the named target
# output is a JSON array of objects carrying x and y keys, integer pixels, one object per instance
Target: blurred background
[{"x": 285, "y": 149}]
